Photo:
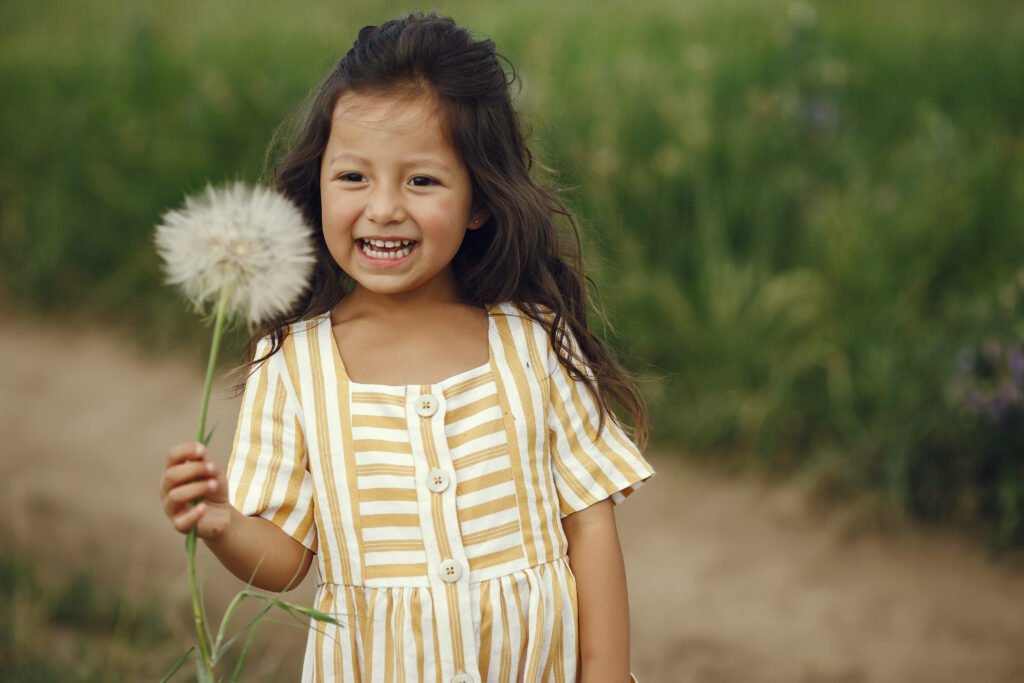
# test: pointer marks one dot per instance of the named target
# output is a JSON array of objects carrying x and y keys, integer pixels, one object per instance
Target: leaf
[
  {"x": 243, "y": 655},
  {"x": 251, "y": 624},
  {"x": 292, "y": 608},
  {"x": 309, "y": 612},
  {"x": 177, "y": 665}
]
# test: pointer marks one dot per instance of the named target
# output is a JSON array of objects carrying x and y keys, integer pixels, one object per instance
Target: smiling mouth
[{"x": 386, "y": 249}]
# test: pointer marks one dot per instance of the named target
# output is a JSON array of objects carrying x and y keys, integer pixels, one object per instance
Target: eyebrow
[
  {"x": 354, "y": 157},
  {"x": 412, "y": 161}
]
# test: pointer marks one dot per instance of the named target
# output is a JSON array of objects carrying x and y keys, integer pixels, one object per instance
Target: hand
[{"x": 188, "y": 476}]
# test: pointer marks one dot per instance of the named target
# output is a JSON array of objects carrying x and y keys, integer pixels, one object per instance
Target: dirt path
[{"x": 729, "y": 580}]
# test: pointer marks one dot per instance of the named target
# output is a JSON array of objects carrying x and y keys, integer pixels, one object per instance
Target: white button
[
  {"x": 437, "y": 480},
  {"x": 450, "y": 570},
  {"x": 463, "y": 678},
  {"x": 426, "y": 405}
]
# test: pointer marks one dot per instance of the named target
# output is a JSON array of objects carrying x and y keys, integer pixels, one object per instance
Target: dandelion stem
[
  {"x": 190, "y": 540},
  {"x": 211, "y": 366}
]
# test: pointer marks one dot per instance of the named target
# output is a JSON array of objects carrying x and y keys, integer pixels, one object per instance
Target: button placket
[
  {"x": 449, "y": 570},
  {"x": 448, "y": 566}
]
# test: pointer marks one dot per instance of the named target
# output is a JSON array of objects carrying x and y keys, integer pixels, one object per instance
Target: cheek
[
  {"x": 333, "y": 246},
  {"x": 447, "y": 218},
  {"x": 337, "y": 216},
  {"x": 337, "y": 229}
]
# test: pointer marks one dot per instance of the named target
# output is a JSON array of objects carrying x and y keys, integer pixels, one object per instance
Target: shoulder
[
  {"x": 539, "y": 321},
  {"x": 522, "y": 321},
  {"x": 530, "y": 316},
  {"x": 303, "y": 329},
  {"x": 283, "y": 358},
  {"x": 296, "y": 333},
  {"x": 524, "y": 335}
]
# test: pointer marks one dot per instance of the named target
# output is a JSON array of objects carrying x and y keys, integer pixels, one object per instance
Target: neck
[{"x": 440, "y": 294}]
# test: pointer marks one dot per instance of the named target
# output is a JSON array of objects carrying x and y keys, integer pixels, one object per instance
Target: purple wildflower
[{"x": 989, "y": 380}]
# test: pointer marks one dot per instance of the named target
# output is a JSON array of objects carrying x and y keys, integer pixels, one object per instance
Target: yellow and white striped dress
[{"x": 434, "y": 509}]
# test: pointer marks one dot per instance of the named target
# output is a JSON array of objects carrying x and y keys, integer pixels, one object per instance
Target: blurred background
[{"x": 805, "y": 221}]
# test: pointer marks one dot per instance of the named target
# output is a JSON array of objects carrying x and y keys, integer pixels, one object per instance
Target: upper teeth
[{"x": 387, "y": 244}]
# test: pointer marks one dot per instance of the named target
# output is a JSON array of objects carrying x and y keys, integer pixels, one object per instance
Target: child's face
[{"x": 396, "y": 198}]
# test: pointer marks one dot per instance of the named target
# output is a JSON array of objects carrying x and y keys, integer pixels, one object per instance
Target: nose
[{"x": 384, "y": 205}]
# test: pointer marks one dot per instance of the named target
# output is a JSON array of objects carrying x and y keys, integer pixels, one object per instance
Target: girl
[{"x": 432, "y": 420}]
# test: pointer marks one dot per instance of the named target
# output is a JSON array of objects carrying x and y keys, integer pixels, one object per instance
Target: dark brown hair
[{"x": 519, "y": 255}]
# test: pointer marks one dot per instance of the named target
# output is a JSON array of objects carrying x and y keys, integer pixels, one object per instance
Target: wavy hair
[{"x": 528, "y": 252}]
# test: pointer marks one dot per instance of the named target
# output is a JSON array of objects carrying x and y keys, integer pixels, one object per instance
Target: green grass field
[
  {"x": 71, "y": 630},
  {"x": 805, "y": 218}
]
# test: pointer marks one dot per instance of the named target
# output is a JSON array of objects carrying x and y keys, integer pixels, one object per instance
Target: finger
[
  {"x": 185, "y": 451},
  {"x": 183, "y": 474},
  {"x": 215, "y": 472},
  {"x": 220, "y": 492},
  {"x": 174, "y": 511},
  {"x": 185, "y": 493},
  {"x": 189, "y": 518}
]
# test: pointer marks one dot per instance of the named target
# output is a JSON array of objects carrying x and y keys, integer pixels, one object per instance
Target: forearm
[
  {"x": 596, "y": 561},
  {"x": 259, "y": 552}
]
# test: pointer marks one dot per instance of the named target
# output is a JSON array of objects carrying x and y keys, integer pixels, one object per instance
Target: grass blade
[
  {"x": 177, "y": 665},
  {"x": 222, "y": 648},
  {"x": 245, "y": 649}
]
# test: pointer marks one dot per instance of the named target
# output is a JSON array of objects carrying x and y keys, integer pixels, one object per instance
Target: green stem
[
  {"x": 211, "y": 366},
  {"x": 190, "y": 540},
  {"x": 235, "y": 602},
  {"x": 197, "y": 608}
]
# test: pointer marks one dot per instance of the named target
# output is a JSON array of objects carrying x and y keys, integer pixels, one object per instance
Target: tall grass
[
  {"x": 800, "y": 215},
  {"x": 75, "y": 631}
]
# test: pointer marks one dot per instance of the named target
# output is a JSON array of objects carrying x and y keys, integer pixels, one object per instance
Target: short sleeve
[
  {"x": 590, "y": 465},
  {"x": 267, "y": 473}
]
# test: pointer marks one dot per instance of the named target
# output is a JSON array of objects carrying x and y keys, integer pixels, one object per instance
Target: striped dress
[{"x": 434, "y": 510}]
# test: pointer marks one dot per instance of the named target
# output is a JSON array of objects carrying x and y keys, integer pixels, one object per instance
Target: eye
[
  {"x": 352, "y": 177},
  {"x": 422, "y": 181}
]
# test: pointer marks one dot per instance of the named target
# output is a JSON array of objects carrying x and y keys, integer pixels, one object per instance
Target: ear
[{"x": 478, "y": 218}]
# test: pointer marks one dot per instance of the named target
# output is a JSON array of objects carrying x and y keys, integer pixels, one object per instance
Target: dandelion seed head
[{"x": 250, "y": 239}]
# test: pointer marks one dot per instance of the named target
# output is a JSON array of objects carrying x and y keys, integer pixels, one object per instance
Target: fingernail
[
  {"x": 209, "y": 467},
  {"x": 200, "y": 449}
]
